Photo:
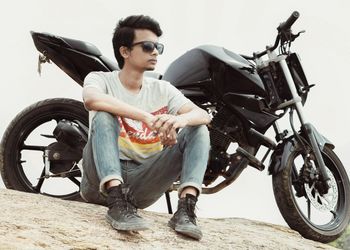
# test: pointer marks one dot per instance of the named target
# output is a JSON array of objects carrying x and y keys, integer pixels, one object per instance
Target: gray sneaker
[
  {"x": 184, "y": 219},
  {"x": 122, "y": 213}
]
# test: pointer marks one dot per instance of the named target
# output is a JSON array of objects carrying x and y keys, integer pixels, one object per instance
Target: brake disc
[{"x": 326, "y": 202}]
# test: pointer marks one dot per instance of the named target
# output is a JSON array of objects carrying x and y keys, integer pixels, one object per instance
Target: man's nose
[{"x": 155, "y": 52}]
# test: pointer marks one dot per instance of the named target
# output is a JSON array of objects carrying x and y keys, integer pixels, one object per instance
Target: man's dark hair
[{"x": 124, "y": 33}]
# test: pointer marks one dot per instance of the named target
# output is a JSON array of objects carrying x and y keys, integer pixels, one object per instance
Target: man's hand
[
  {"x": 170, "y": 139},
  {"x": 166, "y": 124},
  {"x": 150, "y": 120}
]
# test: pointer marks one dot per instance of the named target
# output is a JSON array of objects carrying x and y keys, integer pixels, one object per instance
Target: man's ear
[{"x": 124, "y": 51}]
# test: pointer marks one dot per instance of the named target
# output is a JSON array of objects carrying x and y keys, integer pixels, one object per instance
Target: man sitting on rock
[{"x": 134, "y": 153}]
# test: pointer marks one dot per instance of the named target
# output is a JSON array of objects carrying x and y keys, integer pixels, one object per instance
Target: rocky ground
[{"x": 31, "y": 221}]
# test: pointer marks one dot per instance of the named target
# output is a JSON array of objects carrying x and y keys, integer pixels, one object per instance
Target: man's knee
[
  {"x": 105, "y": 120},
  {"x": 203, "y": 131},
  {"x": 195, "y": 136},
  {"x": 200, "y": 132},
  {"x": 102, "y": 116}
]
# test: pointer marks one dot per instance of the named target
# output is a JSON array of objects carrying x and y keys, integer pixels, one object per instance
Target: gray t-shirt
[{"x": 136, "y": 141}]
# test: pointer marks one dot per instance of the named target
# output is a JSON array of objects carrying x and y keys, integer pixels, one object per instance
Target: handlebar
[
  {"x": 290, "y": 21},
  {"x": 282, "y": 28}
]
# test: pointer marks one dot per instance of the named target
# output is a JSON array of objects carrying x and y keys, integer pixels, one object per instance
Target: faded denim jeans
[{"x": 149, "y": 179}]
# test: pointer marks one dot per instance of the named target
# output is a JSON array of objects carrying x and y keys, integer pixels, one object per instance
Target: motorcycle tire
[
  {"x": 15, "y": 171},
  {"x": 320, "y": 218}
]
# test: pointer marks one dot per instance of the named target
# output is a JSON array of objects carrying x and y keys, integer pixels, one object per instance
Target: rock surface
[{"x": 32, "y": 221}]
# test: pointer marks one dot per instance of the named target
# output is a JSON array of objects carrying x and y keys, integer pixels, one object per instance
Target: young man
[{"x": 134, "y": 153}]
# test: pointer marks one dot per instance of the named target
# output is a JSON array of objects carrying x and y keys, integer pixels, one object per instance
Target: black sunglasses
[{"x": 148, "y": 46}]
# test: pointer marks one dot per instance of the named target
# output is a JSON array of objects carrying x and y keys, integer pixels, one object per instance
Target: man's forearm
[
  {"x": 103, "y": 102},
  {"x": 196, "y": 116}
]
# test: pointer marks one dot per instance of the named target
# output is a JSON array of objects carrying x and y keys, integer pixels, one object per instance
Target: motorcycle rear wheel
[
  {"x": 317, "y": 217},
  {"x": 24, "y": 143}
]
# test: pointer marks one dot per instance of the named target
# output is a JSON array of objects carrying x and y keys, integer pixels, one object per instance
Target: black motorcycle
[{"x": 245, "y": 95}]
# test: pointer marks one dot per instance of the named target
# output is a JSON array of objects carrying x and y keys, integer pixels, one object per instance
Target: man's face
[{"x": 138, "y": 58}]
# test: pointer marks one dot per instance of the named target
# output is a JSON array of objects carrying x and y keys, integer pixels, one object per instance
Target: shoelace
[
  {"x": 126, "y": 201},
  {"x": 130, "y": 201},
  {"x": 190, "y": 211},
  {"x": 188, "y": 208}
]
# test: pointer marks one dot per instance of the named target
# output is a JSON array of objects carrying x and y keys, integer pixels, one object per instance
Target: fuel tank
[{"x": 228, "y": 72}]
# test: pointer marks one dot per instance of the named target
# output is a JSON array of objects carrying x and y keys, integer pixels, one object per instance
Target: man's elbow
[
  {"x": 206, "y": 117},
  {"x": 90, "y": 102}
]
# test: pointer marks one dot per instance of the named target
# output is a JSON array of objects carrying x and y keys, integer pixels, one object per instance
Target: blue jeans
[{"x": 152, "y": 177}]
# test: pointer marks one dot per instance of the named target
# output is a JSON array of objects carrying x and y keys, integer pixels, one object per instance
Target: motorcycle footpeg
[{"x": 253, "y": 161}]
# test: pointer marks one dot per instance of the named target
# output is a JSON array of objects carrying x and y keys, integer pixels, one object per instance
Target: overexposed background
[{"x": 240, "y": 26}]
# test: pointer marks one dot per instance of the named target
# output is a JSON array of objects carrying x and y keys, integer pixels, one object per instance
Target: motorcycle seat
[
  {"x": 82, "y": 46},
  {"x": 109, "y": 63}
]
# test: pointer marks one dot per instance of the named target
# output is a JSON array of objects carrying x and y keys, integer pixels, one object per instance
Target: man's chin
[{"x": 151, "y": 68}]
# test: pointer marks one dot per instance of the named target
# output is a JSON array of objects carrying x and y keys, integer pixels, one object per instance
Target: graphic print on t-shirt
[{"x": 136, "y": 139}]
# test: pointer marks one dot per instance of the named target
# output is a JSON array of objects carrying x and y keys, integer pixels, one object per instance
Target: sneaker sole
[
  {"x": 123, "y": 226},
  {"x": 192, "y": 232}
]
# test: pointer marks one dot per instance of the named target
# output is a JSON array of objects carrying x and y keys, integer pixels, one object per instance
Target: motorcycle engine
[{"x": 224, "y": 130}]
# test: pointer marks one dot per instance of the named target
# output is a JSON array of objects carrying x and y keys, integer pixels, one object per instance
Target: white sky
[{"x": 240, "y": 26}]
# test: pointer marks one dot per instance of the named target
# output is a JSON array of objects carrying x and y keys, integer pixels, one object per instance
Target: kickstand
[{"x": 168, "y": 202}]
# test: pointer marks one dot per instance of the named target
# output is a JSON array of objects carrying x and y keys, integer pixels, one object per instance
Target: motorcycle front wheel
[
  {"x": 315, "y": 216},
  {"x": 22, "y": 159}
]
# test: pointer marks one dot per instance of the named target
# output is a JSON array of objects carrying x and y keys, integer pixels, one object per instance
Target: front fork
[{"x": 306, "y": 128}]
